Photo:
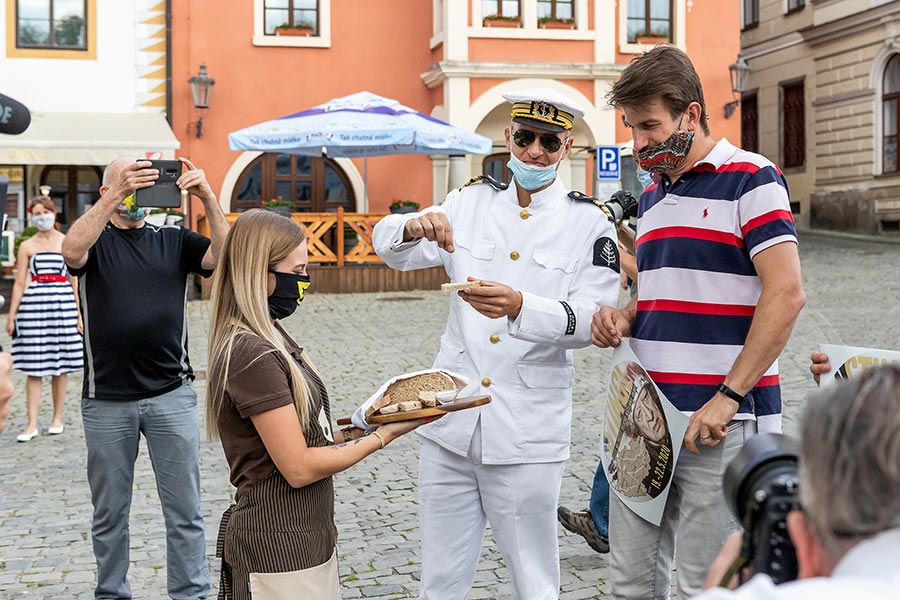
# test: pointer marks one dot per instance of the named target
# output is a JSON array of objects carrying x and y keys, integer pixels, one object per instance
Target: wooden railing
[{"x": 324, "y": 230}]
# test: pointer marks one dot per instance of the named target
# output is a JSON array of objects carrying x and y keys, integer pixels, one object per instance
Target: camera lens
[{"x": 762, "y": 458}]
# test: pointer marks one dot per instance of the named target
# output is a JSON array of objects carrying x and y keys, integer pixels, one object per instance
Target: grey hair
[{"x": 850, "y": 458}]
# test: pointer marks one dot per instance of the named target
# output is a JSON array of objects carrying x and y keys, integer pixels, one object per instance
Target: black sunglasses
[{"x": 525, "y": 138}]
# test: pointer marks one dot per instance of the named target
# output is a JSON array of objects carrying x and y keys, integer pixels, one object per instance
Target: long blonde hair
[{"x": 257, "y": 242}]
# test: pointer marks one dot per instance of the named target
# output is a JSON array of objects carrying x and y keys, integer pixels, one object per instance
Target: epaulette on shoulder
[
  {"x": 582, "y": 197},
  {"x": 497, "y": 185}
]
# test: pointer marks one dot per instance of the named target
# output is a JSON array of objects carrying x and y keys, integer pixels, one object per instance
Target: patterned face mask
[
  {"x": 668, "y": 155},
  {"x": 129, "y": 210}
]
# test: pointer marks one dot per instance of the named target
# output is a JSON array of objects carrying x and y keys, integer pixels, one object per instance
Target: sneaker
[{"x": 582, "y": 524}]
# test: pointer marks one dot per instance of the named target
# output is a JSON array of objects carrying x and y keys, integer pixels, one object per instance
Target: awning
[{"x": 88, "y": 139}]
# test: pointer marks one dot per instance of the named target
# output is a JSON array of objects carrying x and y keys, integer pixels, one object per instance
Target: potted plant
[
  {"x": 350, "y": 239},
  {"x": 651, "y": 37},
  {"x": 404, "y": 206},
  {"x": 278, "y": 205},
  {"x": 298, "y": 29},
  {"x": 501, "y": 21},
  {"x": 556, "y": 23}
]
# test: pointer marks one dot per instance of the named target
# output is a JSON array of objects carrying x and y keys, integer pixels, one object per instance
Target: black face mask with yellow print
[{"x": 288, "y": 294}]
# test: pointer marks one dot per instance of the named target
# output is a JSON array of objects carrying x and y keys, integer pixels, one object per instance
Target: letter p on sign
[{"x": 608, "y": 162}]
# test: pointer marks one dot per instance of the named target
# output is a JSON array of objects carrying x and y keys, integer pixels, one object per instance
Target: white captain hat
[{"x": 544, "y": 108}]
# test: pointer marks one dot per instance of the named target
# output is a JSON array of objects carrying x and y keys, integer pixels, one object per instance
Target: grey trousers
[{"x": 641, "y": 554}]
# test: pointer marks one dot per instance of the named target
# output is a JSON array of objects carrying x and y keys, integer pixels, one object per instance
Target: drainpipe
[{"x": 169, "y": 62}]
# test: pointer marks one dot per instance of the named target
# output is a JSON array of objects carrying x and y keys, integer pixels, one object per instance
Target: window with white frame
[
  {"x": 500, "y": 8},
  {"x": 561, "y": 11},
  {"x": 890, "y": 106},
  {"x": 291, "y": 17},
  {"x": 649, "y": 19},
  {"x": 750, "y": 10}
]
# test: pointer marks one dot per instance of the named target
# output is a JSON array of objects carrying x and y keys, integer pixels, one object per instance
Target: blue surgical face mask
[
  {"x": 644, "y": 178},
  {"x": 531, "y": 177},
  {"x": 129, "y": 210},
  {"x": 44, "y": 222}
]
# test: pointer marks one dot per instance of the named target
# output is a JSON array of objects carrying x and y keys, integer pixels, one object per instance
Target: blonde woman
[
  {"x": 271, "y": 412},
  {"x": 44, "y": 320}
]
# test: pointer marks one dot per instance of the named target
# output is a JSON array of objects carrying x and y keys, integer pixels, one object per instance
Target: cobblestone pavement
[{"x": 358, "y": 341}]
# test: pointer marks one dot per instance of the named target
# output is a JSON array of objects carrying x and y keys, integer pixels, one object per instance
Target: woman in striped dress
[
  {"x": 44, "y": 320},
  {"x": 270, "y": 409}
]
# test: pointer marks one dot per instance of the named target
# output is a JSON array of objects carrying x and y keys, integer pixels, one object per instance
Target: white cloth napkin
[{"x": 359, "y": 415}]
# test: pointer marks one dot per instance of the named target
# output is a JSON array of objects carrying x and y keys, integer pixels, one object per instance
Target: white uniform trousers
[{"x": 457, "y": 496}]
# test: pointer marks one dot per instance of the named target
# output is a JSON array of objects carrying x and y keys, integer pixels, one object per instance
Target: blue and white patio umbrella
[{"x": 359, "y": 125}]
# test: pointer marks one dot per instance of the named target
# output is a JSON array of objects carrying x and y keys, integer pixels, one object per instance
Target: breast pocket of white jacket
[
  {"x": 475, "y": 258},
  {"x": 551, "y": 274},
  {"x": 451, "y": 356}
]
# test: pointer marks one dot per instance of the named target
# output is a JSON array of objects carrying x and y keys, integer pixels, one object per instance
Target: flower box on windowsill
[
  {"x": 512, "y": 22},
  {"x": 560, "y": 24},
  {"x": 293, "y": 31},
  {"x": 651, "y": 40}
]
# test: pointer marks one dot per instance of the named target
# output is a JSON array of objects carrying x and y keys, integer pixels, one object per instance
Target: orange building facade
[{"x": 451, "y": 59}]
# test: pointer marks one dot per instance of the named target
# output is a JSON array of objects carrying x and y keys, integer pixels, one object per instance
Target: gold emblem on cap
[{"x": 543, "y": 109}]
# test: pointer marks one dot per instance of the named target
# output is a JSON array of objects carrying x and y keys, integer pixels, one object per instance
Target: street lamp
[
  {"x": 738, "y": 73},
  {"x": 201, "y": 90}
]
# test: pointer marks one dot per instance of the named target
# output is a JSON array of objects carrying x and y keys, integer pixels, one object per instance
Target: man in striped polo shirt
[{"x": 719, "y": 290}]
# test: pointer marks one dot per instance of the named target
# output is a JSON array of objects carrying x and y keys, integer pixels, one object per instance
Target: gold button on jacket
[
  {"x": 514, "y": 255},
  {"x": 486, "y": 382},
  {"x": 524, "y": 213},
  {"x": 494, "y": 338}
]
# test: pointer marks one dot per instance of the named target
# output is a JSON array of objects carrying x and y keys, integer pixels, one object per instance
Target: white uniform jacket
[{"x": 562, "y": 255}]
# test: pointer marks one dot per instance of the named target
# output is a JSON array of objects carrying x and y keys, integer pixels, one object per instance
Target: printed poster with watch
[
  {"x": 642, "y": 437},
  {"x": 848, "y": 362}
]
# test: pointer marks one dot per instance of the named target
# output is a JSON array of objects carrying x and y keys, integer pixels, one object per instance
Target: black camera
[
  {"x": 621, "y": 205},
  {"x": 761, "y": 487}
]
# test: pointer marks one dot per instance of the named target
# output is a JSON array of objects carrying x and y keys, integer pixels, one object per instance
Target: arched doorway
[
  {"x": 74, "y": 189},
  {"x": 311, "y": 184}
]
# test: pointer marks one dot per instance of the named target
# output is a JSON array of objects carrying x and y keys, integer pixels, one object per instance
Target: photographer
[
  {"x": 847, "y": 532},
  {"x": 138, "y": 379}
]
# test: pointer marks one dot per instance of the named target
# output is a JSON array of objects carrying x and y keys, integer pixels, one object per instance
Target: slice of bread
[
  {"x": 455, "y": 287},
  {"x": 409, "y": 405},
  {"x": 389, "y": 409},
  {"x": 382, "y": 402},
  {"x": 427, "y": 398}
]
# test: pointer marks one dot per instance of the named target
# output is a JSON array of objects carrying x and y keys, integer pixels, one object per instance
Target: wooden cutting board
[{"x": 440, "y": 409}]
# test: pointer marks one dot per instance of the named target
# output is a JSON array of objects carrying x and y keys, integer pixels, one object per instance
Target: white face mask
[{"x": 44, "y": 222}]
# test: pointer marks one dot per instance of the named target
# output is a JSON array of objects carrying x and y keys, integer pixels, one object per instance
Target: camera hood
[{"x": 762, "y": 457}]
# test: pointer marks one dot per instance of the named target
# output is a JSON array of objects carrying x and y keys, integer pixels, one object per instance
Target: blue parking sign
[{"x": 608, "y": 162}]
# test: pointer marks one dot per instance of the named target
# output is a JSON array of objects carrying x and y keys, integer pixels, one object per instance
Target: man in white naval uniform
[{"x": 547, "y": 262}]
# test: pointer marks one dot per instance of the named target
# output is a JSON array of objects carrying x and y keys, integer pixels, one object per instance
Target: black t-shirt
[{"x": 133, "y": 292}]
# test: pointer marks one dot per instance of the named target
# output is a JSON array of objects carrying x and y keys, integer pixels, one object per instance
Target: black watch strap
[{"x": 724, "y": 389}]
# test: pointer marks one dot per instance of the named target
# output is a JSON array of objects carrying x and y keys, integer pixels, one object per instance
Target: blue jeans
[
  {"x": 600, "y": 502},
  {"x": 112, "y": 431}
]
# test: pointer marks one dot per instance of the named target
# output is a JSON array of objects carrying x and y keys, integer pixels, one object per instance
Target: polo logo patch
[
  {"x": 606, "y": 254},
  {"x": 705, "y": 212}
]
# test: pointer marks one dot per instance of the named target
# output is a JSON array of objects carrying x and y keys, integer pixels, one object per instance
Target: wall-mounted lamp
[
  {"x": 45, "y": 190},
  {"x": 738, "y": 72},
  {"x": 201, "y": 90}
]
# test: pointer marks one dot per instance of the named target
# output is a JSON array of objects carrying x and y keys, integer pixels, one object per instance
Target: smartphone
[{"x": 164, "y": 193}]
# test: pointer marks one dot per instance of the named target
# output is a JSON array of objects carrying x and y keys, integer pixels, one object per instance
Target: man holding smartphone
[{"x": 137, "y": 377}]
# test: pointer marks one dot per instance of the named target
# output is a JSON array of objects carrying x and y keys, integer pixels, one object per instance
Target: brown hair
[
  {"x": 44, "y": 201},
  {"x": 666, "y": 73}
]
